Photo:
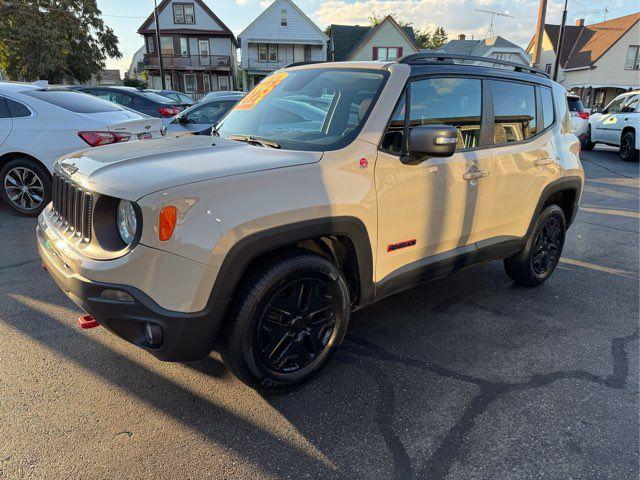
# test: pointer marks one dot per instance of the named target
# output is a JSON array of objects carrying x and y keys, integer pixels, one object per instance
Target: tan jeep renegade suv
[{"x": 327, "y": 187}]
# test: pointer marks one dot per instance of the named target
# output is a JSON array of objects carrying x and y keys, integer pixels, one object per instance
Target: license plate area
[{"x": 144, "y": 136}]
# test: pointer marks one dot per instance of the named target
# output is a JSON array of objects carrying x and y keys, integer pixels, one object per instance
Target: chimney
[
  {"x": 580, "y": 22},
  {"x": 461, "y": 36}
]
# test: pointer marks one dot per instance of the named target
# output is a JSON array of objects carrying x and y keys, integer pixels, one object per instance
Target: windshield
[
  {"x": 575, "y": 104},
  {"x": 292, "y": 108}
]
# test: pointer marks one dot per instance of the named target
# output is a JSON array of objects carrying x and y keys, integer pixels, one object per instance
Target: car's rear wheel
[
  {"x": 586, "y": 143},
  {"x": 290, "y": 319},
  {"x": 537, "y": 261},
  {"x": 628, "y": 150},
  {"x": 25, "y": 186}
]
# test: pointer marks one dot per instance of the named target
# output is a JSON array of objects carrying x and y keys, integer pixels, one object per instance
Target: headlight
[{"x": 127, "y": 221}]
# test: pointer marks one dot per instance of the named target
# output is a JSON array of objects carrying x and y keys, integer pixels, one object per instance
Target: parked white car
[
  {"x": 618, "y": 125},
  {"x": 38, "y": 124},
  {"x": 579, "y": 118}
]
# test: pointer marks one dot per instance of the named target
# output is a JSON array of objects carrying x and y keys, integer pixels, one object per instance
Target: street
[{"x": 467, "y": 377}]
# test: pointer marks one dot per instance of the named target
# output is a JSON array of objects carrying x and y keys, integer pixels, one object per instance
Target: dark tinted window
[
  {"x": 452, "y": 101},
  {"x": 209, "y": 113},
  {"x": 4, "y": 110},
  {"x": 17, "y": 109},
  {"x": 115, "y": 97},
  {"x": 631, "y": 104},
  {"x": 575, "y": 104},
  {"x": 392, "y": 140},
  {"x": 73, "y": 101},
  {"x": 157, "y": 98},
  {"x": 514, "y": 107},
  {"x": 548, "y": 112}
]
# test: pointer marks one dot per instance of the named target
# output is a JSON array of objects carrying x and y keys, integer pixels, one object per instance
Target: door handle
[
  {"x": 475, "y": 174},
  {"x": 542, "y": 162}
]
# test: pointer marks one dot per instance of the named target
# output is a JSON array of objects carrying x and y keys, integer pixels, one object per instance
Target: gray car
[{"x": 199, "y": 118}]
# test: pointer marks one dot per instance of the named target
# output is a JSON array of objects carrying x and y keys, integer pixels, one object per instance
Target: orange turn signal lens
[{"x": 167, "y": 222}]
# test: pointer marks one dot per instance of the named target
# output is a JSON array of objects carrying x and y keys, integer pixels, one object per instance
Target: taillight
[
  {"x": 584, "y": 115},
  {"x": 96, "y": 139},
  {"x": 168, "y": 111}
]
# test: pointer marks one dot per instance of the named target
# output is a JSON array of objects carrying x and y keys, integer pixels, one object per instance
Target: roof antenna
[
  {"x": 493, "y": 13},
  {"x": 606, "y": 11}
]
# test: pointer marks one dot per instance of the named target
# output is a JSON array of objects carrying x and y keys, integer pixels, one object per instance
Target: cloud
[
  {"x": 265, "y": 3},
  {"x": 238, "y": 2}
]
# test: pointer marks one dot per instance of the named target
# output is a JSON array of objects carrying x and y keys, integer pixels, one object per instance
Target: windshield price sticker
[{"x": 256, "y": 95}]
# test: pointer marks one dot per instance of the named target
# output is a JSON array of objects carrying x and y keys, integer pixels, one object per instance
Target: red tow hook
[{"x": 87, "y": 321}]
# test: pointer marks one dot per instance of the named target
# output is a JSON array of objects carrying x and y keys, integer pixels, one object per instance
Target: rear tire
[
  {"x": 25, "y": 186},
  {"x": 587, "y": 144},
  {"x": 287, "y": 323},
  {"x": 537, "y": 261},
  {"x": 628, "y": 150}
]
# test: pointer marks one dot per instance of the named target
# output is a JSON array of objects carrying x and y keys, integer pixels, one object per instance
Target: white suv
[
  {"x": 39, "y": 124},
  {"x": 263, "y": 246},
  {"x": 617, "y": 125}
]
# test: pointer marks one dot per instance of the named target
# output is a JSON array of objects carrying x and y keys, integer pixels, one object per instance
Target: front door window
[{"x": 203, "y": 48}]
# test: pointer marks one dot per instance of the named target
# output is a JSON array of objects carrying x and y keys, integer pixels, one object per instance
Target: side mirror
[{"x": 432, "y": 141}]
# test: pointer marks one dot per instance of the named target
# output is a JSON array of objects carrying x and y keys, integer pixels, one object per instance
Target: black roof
[{"x": 345, "y": 38}]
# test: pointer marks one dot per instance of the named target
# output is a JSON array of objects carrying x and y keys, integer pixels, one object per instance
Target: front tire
[
  {"x": 288, "y": 322},
  {"x": 537, "y": 261},
  {"x": 628, "y": 150},
  {"x": 25, "y": 186}
]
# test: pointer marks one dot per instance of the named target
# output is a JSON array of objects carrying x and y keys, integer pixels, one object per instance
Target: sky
[{"x": 456, "y": 16}]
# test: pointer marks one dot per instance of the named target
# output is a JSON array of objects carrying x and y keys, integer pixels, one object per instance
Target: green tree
[
  {"x": 56, "y": 40},
  {"x": 375, "y": 19},
  {"x": 134, "y": 82},
  {"x": 433, "y": 40}
]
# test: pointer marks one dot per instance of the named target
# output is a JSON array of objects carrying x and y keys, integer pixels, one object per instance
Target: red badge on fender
[{"x": 364, "y": 163}]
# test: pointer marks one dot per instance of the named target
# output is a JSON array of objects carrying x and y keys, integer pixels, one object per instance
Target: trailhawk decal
[
  {"x": 397, "y": 246},
  {"x": 263, "y": 89}
]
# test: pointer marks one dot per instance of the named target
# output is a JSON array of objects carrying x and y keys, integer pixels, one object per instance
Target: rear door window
[
  {"x": 4, "y": 109},
  {"x": 73, "y": 101},
  {"x": 631, "y": 105},
  {"x": 514, "y": 108}
]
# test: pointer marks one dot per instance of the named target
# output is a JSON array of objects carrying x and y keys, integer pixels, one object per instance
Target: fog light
[
  {"x": 153, "y": 334},
  {"x": 116, "y": 295}
]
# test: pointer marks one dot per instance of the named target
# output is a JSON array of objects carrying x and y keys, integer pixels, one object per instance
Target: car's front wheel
[
  {"x": 289, "y": 320},
  {"x": 537, "y": 261},
  {"x": 25, "y": 186},
  {"x": 628, "y": 150}
]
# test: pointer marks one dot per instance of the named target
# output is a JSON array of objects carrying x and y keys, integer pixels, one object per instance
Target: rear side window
[
  {"x": 514, "y": 107},
  {"x": 575, "y": 104},
  {"x": 73, "y": 101},
  {"x": 452, "y": 101},
  {"x": 4, "y": 110},
  {"x": 548, "y": 112},
  {"x": 17, "y": 109},
  {"x": 157, "y": 98},
  {"x": 631, "y": 105}
]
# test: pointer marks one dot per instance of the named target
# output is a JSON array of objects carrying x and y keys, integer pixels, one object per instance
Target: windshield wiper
[{"x": 254, "y": 140}]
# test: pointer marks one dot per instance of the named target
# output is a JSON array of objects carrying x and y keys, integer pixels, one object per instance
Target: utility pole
[
  {"x": 537, "y": 47},
  {"x": 560, "y": 38},
  {"x": 155, "y": 16}
]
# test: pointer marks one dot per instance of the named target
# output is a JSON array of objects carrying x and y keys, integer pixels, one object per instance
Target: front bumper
[{"x": 185, "y": 336}]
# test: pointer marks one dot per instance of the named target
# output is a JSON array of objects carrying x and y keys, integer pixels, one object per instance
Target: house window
[
  {"x": 262, "y": 52},
  {"x": 633, "y": 58},
  {"x": 184, "y": 46},
  {"x": 223, "y": 82},
  {"x": 283, "y": 18},
  {"x": 386, "y": 53},
  {"x": 166, "y": 44},
  {"x": 151, "y": 45},
  {"x": 190, "y": 84},
  {"x": 206, "y": 80},
  {"x": 273, "y": 53},
  {"x": 183, "y": 13}
]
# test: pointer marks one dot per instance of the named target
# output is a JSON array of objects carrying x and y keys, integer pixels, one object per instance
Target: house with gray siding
[
  {"x": 385, "y": 41},
  {"x": 282, "y": 34},
  {"x": 493, "y": 47},
  {"x": 198, "y": 49}
]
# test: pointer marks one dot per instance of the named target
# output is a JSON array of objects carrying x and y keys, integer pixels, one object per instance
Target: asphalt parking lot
[{"x": 467, "y": 377}]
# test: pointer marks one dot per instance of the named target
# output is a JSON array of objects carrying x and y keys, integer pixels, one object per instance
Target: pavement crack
[
  {"x": 17, "y": 264},
  {"x": 451, "y": 447},
  {"x": 607, "y": 169}
]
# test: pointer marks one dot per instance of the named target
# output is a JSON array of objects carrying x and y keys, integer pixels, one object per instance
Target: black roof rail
[
  {"x": 297, "y": 64},
  {"x": 448, "y": 58}
]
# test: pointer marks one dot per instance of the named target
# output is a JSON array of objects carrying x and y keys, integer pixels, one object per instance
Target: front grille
[{"x": 72, "y": 205}]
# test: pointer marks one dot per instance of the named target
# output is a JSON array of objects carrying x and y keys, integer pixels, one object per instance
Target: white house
[
  {"x": 279, "y": 36},
  {"x": 198, "y": 49},
  {"x": 494, "y": 47},
  {"x": 598, "y": 61}
]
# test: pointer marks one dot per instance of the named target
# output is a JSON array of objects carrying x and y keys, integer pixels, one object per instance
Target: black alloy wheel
[
  {"x": 296, "y": 324},
  {"x": 628, "y": 151},
  {"x": 547, "y": 246},
  {"x": 25, "y": 186}
]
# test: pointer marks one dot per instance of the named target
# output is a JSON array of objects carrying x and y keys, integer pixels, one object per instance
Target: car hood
[{"x": 134, "y": 169}]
